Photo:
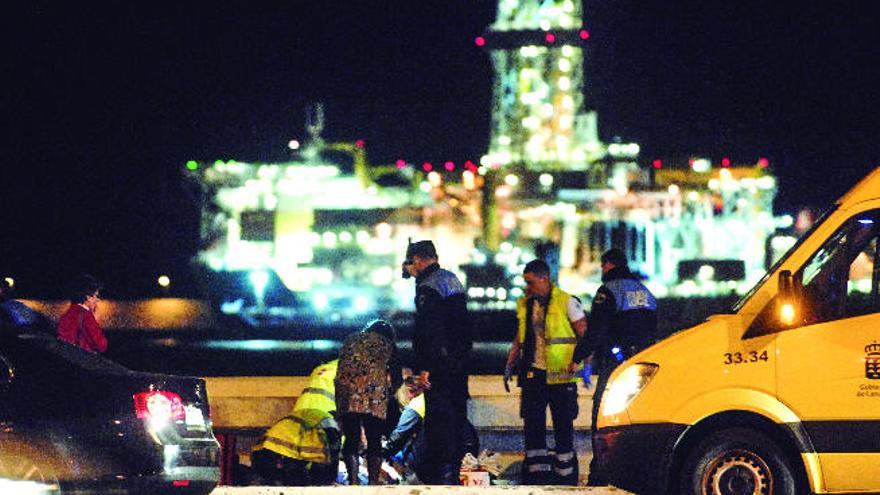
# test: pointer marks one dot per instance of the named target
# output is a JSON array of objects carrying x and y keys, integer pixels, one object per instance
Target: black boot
[
  {"x": 597, "y": 476},
  {"x": 324, "y": 474},
  {"x": 374, "y": 469},
  {"x": 449, "y": 474},
  {"x": 353, "y": 466}
]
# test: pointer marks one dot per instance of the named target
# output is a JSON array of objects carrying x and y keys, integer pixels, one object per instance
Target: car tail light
[{"x": 159, "y": 405}]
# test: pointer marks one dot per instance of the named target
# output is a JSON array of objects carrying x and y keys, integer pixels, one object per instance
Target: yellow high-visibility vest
[
  {"x": 301, "y": 435},
  {"x": 320, "y": 393},
  {"x": 417, "y": 404},
  {"x": 559, "y": 337}
]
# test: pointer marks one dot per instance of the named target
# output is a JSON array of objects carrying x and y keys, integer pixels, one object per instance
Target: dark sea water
[{"x": 188, "y": 337}]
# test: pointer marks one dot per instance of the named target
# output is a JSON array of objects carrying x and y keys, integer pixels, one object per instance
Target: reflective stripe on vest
[
  {"x": 560, "y": 338},
  {"x": 326, "y": 393},
  {"x": 298, "y": 448},
  {"x": 297, "y": 438}
]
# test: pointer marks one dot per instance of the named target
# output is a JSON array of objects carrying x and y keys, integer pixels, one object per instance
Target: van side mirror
[
  {"x": 788, "y": 306},
  {"x": 784, "y": 310}
]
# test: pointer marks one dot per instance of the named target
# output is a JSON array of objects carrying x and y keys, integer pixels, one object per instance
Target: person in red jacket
[{"x": 78, "y": 325}]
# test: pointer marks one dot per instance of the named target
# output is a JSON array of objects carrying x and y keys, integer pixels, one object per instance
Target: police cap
[
  {"x": 422, "y": 249},
  {"x": 614, "y": 256}
]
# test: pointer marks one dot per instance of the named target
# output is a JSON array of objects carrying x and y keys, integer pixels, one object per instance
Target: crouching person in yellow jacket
[{"x": 302, "y": 448}]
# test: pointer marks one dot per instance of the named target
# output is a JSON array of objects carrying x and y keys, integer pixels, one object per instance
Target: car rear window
[{"x": 72, "y": 354}]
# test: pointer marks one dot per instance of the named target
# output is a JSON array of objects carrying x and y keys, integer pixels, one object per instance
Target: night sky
[{"x": 103, "y": 103}]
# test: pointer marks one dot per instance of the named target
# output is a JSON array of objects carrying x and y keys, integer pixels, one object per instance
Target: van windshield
[{"x": 822, "y": 218}]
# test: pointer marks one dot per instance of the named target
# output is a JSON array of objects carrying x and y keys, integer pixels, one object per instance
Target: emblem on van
[{"x": 872, "y": 361}]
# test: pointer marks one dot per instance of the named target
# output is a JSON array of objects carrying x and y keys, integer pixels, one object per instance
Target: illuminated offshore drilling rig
[
  {"x": 550, "y": 182},
  {"x": 331, "y": 229}
]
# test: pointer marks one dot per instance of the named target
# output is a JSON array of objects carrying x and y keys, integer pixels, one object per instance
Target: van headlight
[{"x": 626, "y": 386}]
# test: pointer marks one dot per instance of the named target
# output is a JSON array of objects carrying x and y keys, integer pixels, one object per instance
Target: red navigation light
[
  {"x": 449, "y": 166},
  {"x": 550, "y": 38},
  {"x": 725, "y": 162},
  {"x": 359, "y": 143},
  {"x": 401, "y": 163},
  {"x": 763, "y": 162},
  {"x": 480, "y": 41},
  {"x": 658, "y": 164},
  {"x": 584, "y": 34},
  {"x": 427, "y": 167}
]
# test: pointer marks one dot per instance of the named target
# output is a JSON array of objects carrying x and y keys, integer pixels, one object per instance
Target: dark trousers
[
  {"x": 326, "y": 474},
  {"x": 540, "y": 467},
  {"x": 351, "y": 427},
  {"x": 276, "y": 469},
  {"x": 445, "y": 417}
]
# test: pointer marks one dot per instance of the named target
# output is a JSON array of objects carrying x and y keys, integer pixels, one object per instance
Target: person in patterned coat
[{"x": 368, "y": 374}]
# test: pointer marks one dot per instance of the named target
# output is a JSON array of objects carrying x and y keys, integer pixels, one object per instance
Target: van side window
[
  {"x": 861, "y": 289},
  {"x": 840, "y": 280}
]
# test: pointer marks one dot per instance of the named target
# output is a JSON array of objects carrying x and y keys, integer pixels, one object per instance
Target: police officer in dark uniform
[
  {"x": 623, "y": 321},
  {"x": 441, "y": 346}
]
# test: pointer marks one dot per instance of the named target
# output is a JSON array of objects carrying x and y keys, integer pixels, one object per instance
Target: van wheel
[{"x": 737, "y": 461}]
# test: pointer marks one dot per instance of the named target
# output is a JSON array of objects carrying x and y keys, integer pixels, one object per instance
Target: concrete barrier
[
  {"x": 243, "y": 403},
  {"x": 242, "y": 408}
]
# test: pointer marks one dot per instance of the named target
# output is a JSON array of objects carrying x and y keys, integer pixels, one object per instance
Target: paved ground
[
  {"x": 414, "y": 490},
  {"x": 507, "y": 444}
]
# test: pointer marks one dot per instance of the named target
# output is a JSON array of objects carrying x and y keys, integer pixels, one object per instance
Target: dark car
[{"x": 72, "y": 421}]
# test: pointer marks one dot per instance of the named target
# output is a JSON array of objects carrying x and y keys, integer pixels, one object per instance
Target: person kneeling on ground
[
  {"x": 302, "y": 448},
  {"x": 407, "y": 441}
]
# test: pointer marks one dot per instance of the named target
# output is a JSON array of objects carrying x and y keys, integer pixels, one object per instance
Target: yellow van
[{"x": 779, "y": 396}]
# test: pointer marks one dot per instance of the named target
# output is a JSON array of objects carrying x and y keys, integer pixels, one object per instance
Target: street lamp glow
[
  {"x": 701, "y": 165},
  {"x": 435, "y": 179},
  {"x": 259, "y": 280},
  {"x": 564, "y": 83},
  {"x": 164, "y": 281},
  {"x": 546, "y": 180},
  {"x": 361, "y": 304},
  {"x": 321, "y": 302}
]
